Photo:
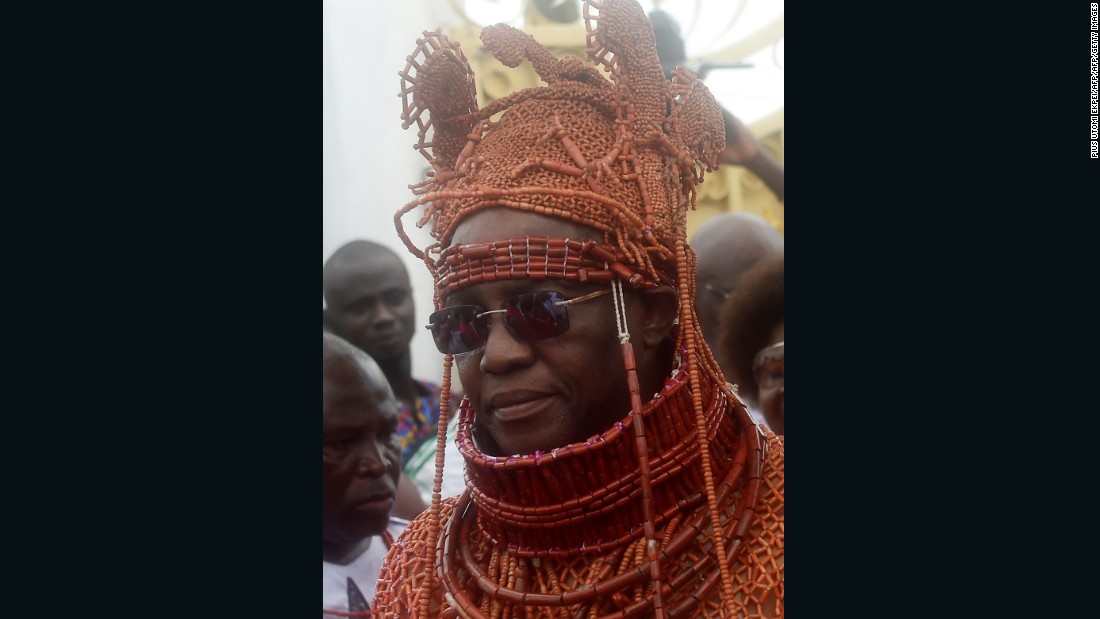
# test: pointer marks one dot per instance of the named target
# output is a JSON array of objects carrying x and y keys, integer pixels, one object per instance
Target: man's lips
[
  {"x": 379, "y": 501},
  {"x": 512, "y": 406}
]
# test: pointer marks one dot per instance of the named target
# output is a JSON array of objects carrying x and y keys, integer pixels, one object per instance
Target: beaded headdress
[{"x": 622, "y": 154}]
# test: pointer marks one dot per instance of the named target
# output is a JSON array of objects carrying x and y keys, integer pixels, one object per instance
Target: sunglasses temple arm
[{"x": 585, "y": 297}]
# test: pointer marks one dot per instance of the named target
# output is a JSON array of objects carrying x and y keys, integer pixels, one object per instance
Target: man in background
[
  {"x": 359, "y": 475},
  {"x": 726, "y": 246},
  {"x": 369, "y": 303}
]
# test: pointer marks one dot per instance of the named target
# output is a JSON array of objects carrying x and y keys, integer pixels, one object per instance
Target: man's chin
[
  {"x": 372, "y": 525},
  {"x": 527, "y": 443}
]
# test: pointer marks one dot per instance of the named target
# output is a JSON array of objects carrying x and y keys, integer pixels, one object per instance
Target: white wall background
[{"x": 368, "y": 159}]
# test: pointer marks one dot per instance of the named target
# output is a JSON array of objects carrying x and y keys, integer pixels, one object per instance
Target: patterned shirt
[{"x": 417, "y": 425}]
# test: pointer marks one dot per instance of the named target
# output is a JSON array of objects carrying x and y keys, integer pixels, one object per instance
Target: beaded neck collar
[{"x": 586, "y": 497}]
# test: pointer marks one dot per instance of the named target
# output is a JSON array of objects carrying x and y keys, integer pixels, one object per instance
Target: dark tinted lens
[
  {"x": 768, "y": 366},
  {"x": 770, "y": 374},
  {"x": 458, "y": 329},
  {"x": 536, "y": 316}
]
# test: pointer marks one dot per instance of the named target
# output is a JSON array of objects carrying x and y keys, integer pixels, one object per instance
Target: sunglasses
[
  {"x": 767, "y": 367},
  {"x": 530, "y": 317}
]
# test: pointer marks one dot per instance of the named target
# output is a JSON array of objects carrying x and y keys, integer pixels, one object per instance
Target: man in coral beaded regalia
[{"x": 611, "y": 470}]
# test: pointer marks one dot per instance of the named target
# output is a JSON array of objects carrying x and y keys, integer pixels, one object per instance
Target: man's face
[
  {"x": 548, "y": 393},
  {"x": 360, "y": 457},
  {"x": 712, "y": 289},
  {"x": 370, "y": 304},
  {"x": 725, "y": 249}
]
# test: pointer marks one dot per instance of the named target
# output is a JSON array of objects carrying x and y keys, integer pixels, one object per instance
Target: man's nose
[
  {"x": 371, "y": 461},
  {"x": 383, "y": 314},
  {"x": 503, "y": 350}
]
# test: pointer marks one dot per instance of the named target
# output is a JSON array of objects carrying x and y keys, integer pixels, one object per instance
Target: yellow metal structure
[{"x": 731, "y": 188}]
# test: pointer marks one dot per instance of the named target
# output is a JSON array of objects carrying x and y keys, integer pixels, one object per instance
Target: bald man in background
[
  {"x": 359, "y": 475},
  {"x": 726, "y": 246}
]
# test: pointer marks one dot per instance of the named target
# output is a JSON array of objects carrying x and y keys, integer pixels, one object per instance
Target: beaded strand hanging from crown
[{"x": 676, "y": 511}]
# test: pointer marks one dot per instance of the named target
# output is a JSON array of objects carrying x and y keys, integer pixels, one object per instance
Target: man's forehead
[
  {"x": 728, "y": 244},
  {"x": 369, "y": 273},
  {"x": 498, "y": 224},
  {"x": 366, "y": 277},
  {"x": 364, "y": 262},
  {"x": 348, "y": 371},
  {"x": 727, "y": 264},
  {"x": 491, "y": 292},
  {"x": 361, "y": 257},
  {"x": 349, "y": 385},
  {"x": 347, "y": 414}
]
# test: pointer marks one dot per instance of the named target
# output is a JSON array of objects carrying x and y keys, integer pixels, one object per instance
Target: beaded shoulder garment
[{"x": 677, "y": 509}]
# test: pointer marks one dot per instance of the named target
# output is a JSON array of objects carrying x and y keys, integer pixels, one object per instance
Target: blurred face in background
[
  {"x": 768, "y": 371},
  {"x": 370, "y": 304}
]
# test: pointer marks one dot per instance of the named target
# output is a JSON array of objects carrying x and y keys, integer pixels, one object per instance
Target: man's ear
[{"x": 660, "y": 309}]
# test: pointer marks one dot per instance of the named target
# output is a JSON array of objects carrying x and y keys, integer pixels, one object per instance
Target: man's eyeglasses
[
  {"x": 722, "y": 292},
  {"x": 768, "y": 367},
  {"x": 531, "y": 317}
]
